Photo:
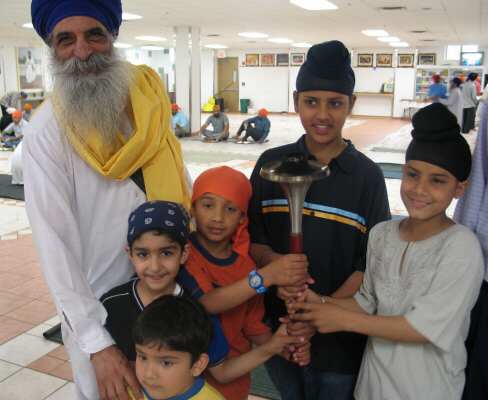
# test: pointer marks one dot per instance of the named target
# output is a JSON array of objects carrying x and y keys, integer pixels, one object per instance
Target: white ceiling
[{"x": 445, "y": 22}]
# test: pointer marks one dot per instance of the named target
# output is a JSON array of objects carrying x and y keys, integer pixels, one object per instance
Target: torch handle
[{"x": 296, "y": 243}]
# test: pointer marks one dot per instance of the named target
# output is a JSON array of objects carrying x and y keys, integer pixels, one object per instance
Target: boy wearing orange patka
[{"x": 220, "y": 274}]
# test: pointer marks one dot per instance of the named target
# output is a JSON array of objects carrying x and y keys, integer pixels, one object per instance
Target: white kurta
[
  {"x": 438, "y": 285},
  {"x": 17, "y": 175},
  {"x": 454, "y": 103},
  {"x": 79, "y": 223}
]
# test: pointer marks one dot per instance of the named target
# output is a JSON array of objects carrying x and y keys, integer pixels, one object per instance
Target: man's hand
[
  {"x": 114, "y": 374},
  {"x": 10, "y": 139}
]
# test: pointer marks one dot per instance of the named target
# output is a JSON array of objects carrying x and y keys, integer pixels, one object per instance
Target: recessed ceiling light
[
  {"x": 215, "y": 46},
  {"x": 122, "y": 45},
  {"x": 301, "y": 45},
  {"x": 374, "y": 32},
  {"x": 28, "y": 25},
  {"x": 388, "y": 39},
  {"x": 127, "y": 16},
  {"x": 314, "y": 4},
  {"x": 151, "y": 38},
  {"x": 253, "y": 34},
  {"x": 152, "y": 48},
  {"x": 280, "y": 40},
  {"x": 399, "y": 44}
]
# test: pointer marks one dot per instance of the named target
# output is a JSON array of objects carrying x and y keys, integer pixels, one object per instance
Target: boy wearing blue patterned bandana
[{"x": 339, "y": 212}]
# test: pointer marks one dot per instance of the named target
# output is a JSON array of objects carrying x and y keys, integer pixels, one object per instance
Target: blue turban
[
  {"x": 158, "y": 214},
  {"x": 47, "y": 13},
  {"x": 328, "y": 68}
]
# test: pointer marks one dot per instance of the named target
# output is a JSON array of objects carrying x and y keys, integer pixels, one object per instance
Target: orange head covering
[
  {"x": 216, "y": 107},
  {"x": 17, "y": 113},
  {"x": 175, "y": 107},
  {"x": 234, "y": 186},
  {"x": 27, "y": 107},
  {"x": 263, "y": 111}
]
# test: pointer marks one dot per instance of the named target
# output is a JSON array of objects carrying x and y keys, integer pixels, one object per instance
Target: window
[
  {"x": 453, "y": 52},
  {"x": 470, "y": 48}
]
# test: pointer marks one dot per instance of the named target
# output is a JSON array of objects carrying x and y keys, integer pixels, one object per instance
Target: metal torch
[{"x": 295, "y": 174}]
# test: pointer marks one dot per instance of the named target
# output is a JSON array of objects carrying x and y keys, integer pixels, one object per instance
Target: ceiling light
[
  {"x": 388, "y": 39},
  {"x": 301, "y": 45},
  {"x": 28, "y": 25},
  {"x": 122, "y": 45},
  {"x": 215, "y": 46},
  {"x": 374, "y": 32},
  {"x": 399, "y": 44},
  {"x": 253, "y": 34},
  {"x": 127, "y": 16},
  {"x": 152, "y": 48},
  {"x": 280, "y": 40},
  {"x": 314, "y": 4},
  {"x": 151, "y": 38}
]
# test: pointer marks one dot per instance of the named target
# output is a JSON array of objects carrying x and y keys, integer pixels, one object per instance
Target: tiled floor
[{"x": 34, "y": 368}]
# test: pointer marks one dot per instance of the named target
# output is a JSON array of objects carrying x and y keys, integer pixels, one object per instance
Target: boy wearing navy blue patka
[{"x": 338, "y": 213}]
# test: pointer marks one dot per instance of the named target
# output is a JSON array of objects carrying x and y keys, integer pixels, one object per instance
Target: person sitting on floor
[
  {"x": 27, "y": 113},
  {"x": 220, "y": 124},
  {"x": 259, "y": 132},
  {"x": 179, "y": 121},
  {"x": 14, "y": 133}
]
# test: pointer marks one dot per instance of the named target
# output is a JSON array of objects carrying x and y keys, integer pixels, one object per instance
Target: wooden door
[{"x": 227, "y": 71}]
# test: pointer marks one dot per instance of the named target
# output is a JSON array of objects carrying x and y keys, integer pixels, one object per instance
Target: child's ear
[
  {"x": 352, "y": 101},
  {"x": 200, "y": 365},
  {"x": 185, "y": 254},
  {"x": 129, "y": 252},
  {"x": 295, "y": 100},
  {"x": 192, "y": 210},
  {"x": 462, "y": 186},
  {"x": 243, "y": 217}
]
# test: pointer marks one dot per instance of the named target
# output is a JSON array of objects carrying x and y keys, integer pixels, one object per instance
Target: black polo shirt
[{"x": 339, "y": 212}]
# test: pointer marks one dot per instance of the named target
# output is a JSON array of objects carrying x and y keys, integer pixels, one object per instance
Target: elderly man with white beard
[{"x": 97, "y": 148}]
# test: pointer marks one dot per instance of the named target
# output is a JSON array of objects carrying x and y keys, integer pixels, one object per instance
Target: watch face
[{"x": 255, "y": 281}]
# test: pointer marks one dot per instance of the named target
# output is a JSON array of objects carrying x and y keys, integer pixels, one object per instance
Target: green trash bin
[{"x": 244, "y": 104}]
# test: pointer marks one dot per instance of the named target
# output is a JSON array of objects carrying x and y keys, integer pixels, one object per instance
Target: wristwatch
[{"x": 256, "y": 281}]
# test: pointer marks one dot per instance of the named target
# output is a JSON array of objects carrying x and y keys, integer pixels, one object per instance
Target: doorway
[{"x": 228, "y": 82}]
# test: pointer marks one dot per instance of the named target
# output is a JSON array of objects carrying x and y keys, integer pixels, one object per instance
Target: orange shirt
[{"x": 204, "y": 273}]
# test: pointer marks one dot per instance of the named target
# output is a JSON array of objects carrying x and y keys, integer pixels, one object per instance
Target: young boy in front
[
  {"x": 422, "y": 278},
  {"x": 157, "y": 247},
  {"x": 222, "y": 276},
  {"x": 338, "y": 213},
  {"x": 171, "y": 337}
]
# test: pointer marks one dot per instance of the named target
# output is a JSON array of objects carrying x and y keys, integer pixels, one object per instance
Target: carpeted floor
[{"x": 9, "y": 191}]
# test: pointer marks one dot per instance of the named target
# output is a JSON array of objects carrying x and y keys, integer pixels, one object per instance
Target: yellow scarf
[{"x": 152, "y": 145}]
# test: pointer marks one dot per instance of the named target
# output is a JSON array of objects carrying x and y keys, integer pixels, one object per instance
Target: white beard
[{"x": 92, "y": 94}]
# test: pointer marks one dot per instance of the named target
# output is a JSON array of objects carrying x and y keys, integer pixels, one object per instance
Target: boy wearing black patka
[{"x": 338, "y": 214}]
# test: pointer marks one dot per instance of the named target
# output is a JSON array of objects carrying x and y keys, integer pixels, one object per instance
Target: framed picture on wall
[
  {"x": 472, "y": 59},
  {"x": 252, "y": 60},
  {"x": 383, "y": 60},
  {"x": 426, "y": 59},
  {"x": 365, "y": 60},
  {"x": 30, "y": 69},
  {"x": 283, "y": 59},
  {"x": 405, "y": 60},
  {"x": 267, "y": 60},
  {"x": 297, "y": 58}
]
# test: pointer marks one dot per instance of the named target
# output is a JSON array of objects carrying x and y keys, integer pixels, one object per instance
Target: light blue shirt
[
  {"x": 437, "y": 89},
  {"x": 179, "y": 118},
  {"x": 472, "y": 207}
]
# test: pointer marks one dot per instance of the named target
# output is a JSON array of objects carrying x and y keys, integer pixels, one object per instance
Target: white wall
[{"x": 207, "y": 66}]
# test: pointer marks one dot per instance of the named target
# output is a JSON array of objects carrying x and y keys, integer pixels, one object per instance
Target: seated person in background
[
  {"x": 437, "y": 89},
  {"x": 14, "y": 133},
  {"x": 27, "y": 113},
  {"x": 179, "y": 121},
  {"x": 259, "y": 132},
  {"x": 171, "y": 338},
  {"x": 6, "y": 119},
  {"x": 422, "y": 278},
  {"x": 157, "y": 247},
  {"x": 222, "y": 276},
  {"x": 220, "y": 124}
]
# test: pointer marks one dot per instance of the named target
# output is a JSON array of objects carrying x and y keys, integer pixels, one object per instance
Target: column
[{"x": 187, "y": 74}]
